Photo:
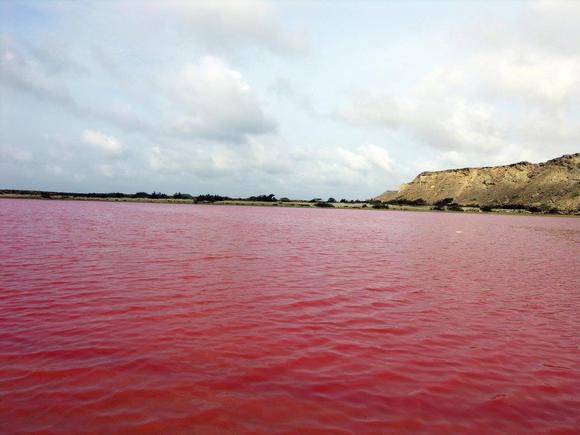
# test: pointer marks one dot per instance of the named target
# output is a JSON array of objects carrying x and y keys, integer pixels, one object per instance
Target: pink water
[{"x": 155, "y": 318}]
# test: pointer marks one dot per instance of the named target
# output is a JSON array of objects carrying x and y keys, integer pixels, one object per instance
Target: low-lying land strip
[{"x": 447, "y": 204}]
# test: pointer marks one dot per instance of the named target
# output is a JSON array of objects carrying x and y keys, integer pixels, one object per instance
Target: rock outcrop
[{"x": 555, "y": 183}]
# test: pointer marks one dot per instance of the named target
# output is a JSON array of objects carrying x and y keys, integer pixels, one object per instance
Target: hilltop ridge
[{"x": 555, "y": 183}]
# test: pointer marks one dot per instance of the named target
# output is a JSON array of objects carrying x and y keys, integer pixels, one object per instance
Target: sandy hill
[{"x": 555, "y": 183}]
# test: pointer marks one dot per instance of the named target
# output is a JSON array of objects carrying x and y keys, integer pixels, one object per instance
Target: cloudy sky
[{"x": 295, "y": 98}]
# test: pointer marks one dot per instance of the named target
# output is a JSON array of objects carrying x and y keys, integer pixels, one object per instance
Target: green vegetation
[
  {"x": 441, "y": 205},
  {"x": 216, "y": 198},
  {"x": 180, "y": 195},
  {"x": 210, "y": 198},
  {"x": 114, "y": 195},
  {"x": 543, "y": 208},
  {"x": 403, "y": 201},
  {"x": 323, "y": 204},
  {"x": 446, "y": 204},
  {"x": 454, "y": 207},
  {"x": 443, "y": 202},
  {"x": 353, "y": 201},
  {"x": 263, "y": 198}
]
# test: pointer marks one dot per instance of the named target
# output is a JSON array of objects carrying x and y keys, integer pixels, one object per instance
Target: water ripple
[{"x": 149, "y": 318}]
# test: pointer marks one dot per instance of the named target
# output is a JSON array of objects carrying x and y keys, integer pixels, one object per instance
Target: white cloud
[
  {"x": 440, "y": 123},
  {"x": 509, "y": 95},
  {"x": 55, "y": 170},
  {"x": 31, "y": 73},
  {"x": 527, "y": 76},
  {"x": 284, "y": 88},
  {"x": 217, "y": 103},
  {"x": 105, "y": 170},
  {"x": 108, "y": 145},
  {"x": 16, "y": 154},
  {"x": 386, "y": 111},
  {"x": 331, "y": 169},
  {"x": 223, "y": 24},
  {"x": 202, "y": 95}
]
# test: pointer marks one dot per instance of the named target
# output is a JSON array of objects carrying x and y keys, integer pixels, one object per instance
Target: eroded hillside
[{"x": 555, "y": 183}]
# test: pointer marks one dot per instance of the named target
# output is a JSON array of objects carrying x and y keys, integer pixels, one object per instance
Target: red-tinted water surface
[{"x": 119, "y": 317}]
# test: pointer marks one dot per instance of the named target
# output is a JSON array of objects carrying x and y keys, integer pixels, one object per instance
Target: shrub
[
  {"x": 158, "y": 195},
  {"x": 381, "y": 205},
  {"x": 443, "y": 202},
  {"x": 403, "y": 201},
  {"x": 486, "y": 208},
  {"x": 454, "y": 207},
  {"x": 323, "y": 204},
  {"x": 516, "y": 206},
  {"x": 211, "y": 198},
  {"x": 180, "y": 195},
  {"x": 263, "y": 198}
]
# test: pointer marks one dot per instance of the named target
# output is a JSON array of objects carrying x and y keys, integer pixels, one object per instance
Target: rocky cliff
[{"x": 555, "y": 183}]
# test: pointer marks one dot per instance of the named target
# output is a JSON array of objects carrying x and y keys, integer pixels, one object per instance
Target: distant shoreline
[{"x": 363, "y": 205}]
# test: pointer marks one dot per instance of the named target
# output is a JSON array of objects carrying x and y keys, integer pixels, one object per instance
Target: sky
[{"x": 301, "y": 99}]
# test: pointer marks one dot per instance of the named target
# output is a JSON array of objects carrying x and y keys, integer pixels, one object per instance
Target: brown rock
[{"x": 555, "y": 183}]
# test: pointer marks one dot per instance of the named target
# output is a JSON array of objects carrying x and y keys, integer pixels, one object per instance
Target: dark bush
[
  {"x": 210, "y": 198},
  {"x": 443, "y": 202},
  {"x": 486, "y": 208},
  {"x": 158, "y": 195},
  {"x": 509, "y": 206},
  {"x": 454, "y": 207},
  {"x": 180, "y": 195},
  {"x": 381, "y": 205},
  {"x": 323, "y": 204},
  {"x": 403, "y": 201},
  {"x": 263, "y": 198}
]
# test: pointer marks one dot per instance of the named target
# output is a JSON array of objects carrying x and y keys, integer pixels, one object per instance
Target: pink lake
[{"x": 159, "y": 318}]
